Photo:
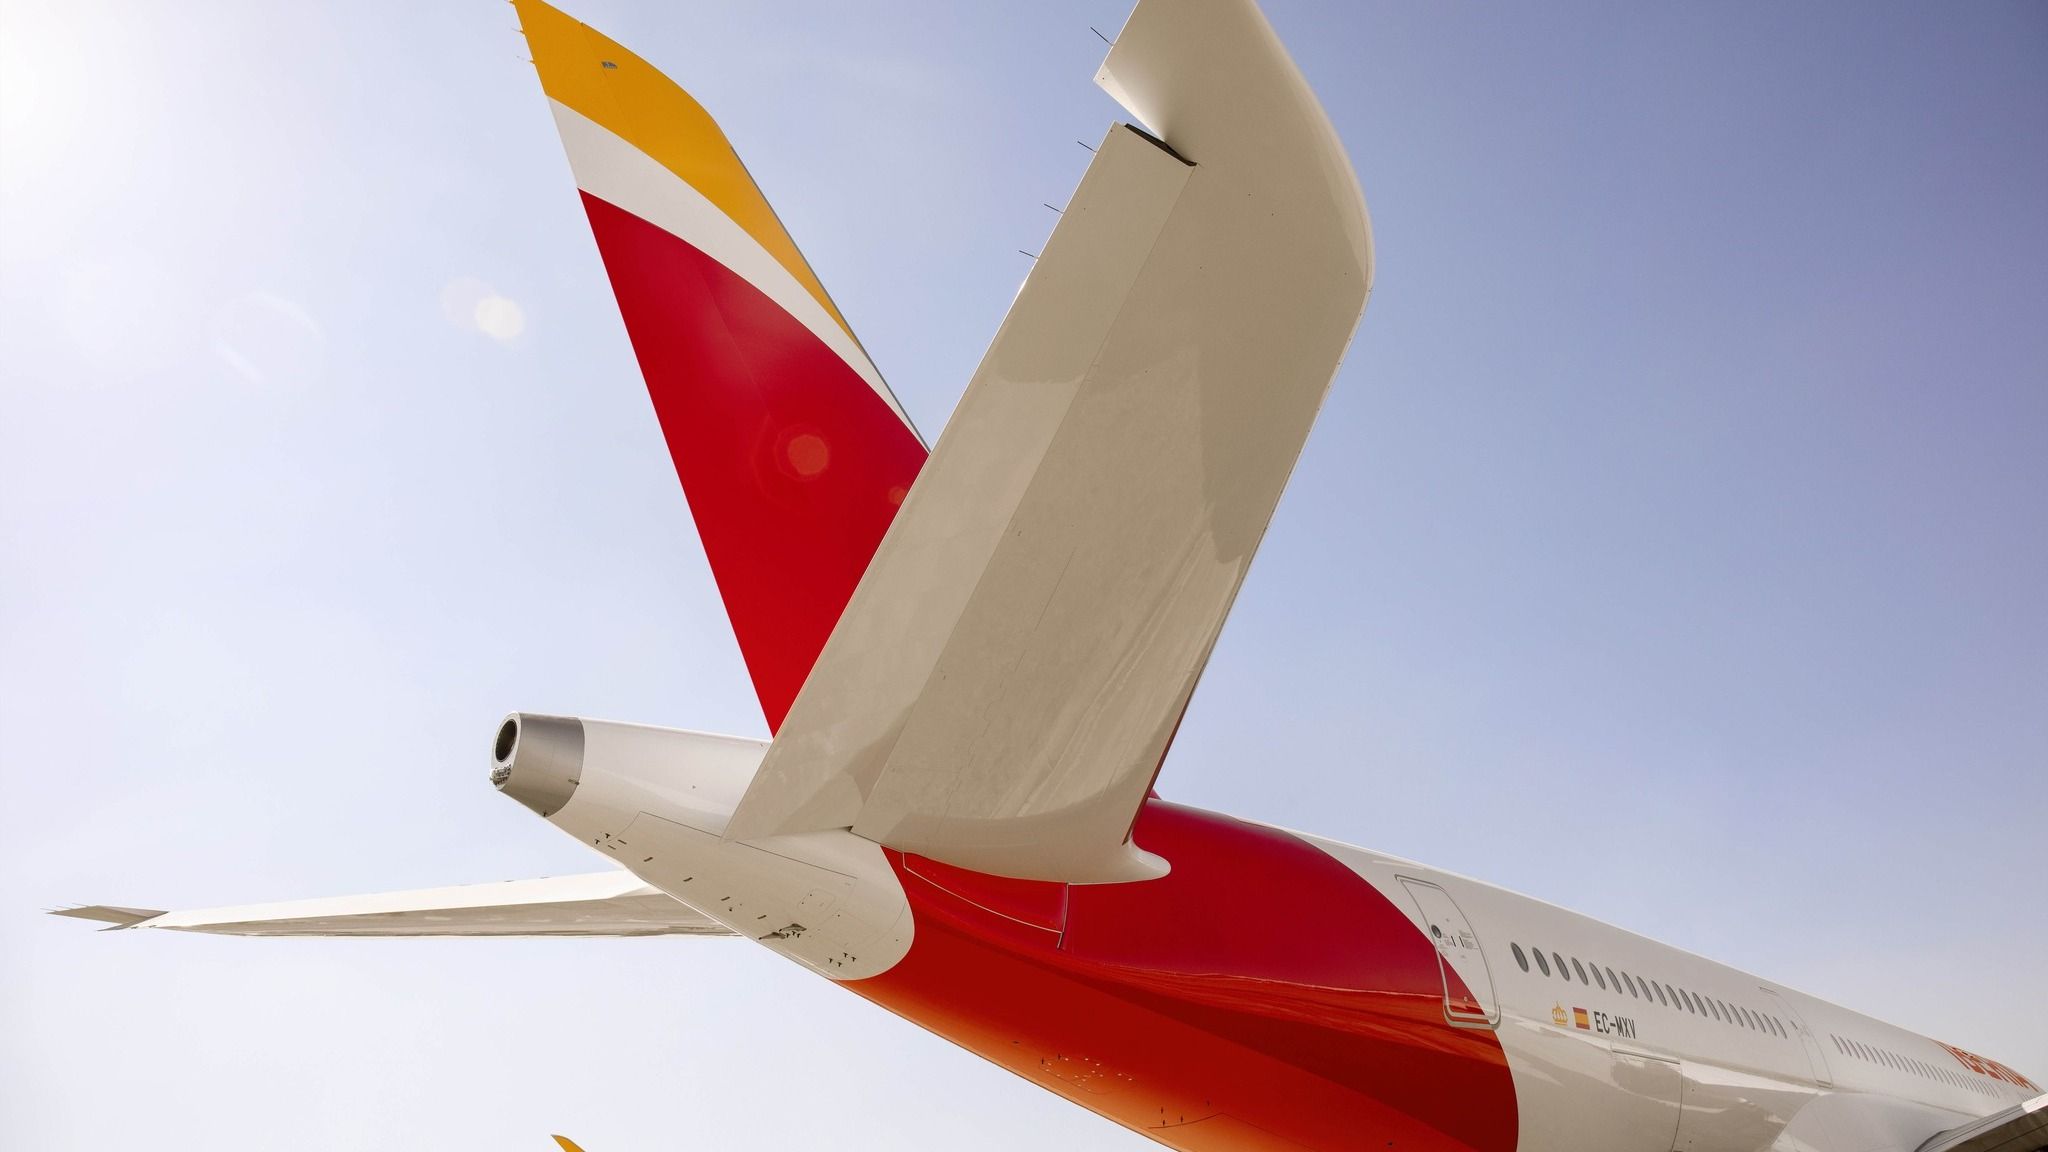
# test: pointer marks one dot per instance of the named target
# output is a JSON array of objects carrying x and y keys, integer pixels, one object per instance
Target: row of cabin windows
[
  {"x": 1891, "y": 1059},
  {"x": 1657, "y": 993}
]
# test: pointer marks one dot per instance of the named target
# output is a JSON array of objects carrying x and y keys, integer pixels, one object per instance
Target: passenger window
[
  {"x": 1521, "y": 957},
  {"x": 1713, "y": 1007},
  {"x": 1581, "y": 970},
  {"x": 1692, "y": 1004},
  {"x": 1541, "y": 962},
  {"x": 1599, "y": 979},
  {"x": 1614, "y": 980},
  {"x": 1561, "y": 969},
  {"x": 1668, "y": 1001},
  {"x": 1631, "y": 982}
]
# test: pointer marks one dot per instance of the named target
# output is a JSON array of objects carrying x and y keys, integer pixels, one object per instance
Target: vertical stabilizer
[{"x": 791, "y": 450}]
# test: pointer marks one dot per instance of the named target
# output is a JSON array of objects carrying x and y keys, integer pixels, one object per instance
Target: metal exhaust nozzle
[{"x": 538, "y": 760}]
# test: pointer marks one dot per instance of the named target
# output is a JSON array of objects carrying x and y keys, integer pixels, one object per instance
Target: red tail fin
[{"x": 792, "y": 452}]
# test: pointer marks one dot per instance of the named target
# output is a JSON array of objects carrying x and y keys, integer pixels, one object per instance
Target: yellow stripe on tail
[{"x": 604, "y": 81}]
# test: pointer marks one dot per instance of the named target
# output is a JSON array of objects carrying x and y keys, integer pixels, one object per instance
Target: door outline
[
  {"x": 1622, "y": 1052},
  {"x": 1814, "y": 1056},
  {"x": 1449, "y": 920}
]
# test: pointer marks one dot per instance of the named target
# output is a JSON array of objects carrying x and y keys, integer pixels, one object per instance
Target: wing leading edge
[
  {"x": 2020, "y": 1128},
  {"x": 1009, "y": 672}
]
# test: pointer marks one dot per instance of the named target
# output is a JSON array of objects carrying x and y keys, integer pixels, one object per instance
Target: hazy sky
[{"x": 1673, "y": 546}]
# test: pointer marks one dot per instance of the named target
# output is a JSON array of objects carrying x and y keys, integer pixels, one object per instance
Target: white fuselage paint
[
  {"x": 656, "y": 800},
  {"x": 1601, "y": 1061},
  {"x": 1651, "y": 1076}
]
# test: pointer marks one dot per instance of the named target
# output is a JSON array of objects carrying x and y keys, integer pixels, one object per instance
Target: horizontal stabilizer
[
  {"x": 108, "y": 914},
  {"x": 598, "y": 904}
]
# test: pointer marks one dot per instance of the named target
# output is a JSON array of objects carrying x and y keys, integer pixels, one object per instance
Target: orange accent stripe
[{"x": 600, "y": 78}]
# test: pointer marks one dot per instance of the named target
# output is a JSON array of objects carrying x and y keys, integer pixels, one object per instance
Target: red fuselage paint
[
  {"x": 1261, "y": 995},
  {"x": 792, "y": 464}
]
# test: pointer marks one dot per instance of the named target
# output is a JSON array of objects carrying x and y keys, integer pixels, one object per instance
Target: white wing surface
[
  {"x": 2020, "y": 1128},
  {"x": 599, "y": 904},
  {"x": 1006, "y": 679}
]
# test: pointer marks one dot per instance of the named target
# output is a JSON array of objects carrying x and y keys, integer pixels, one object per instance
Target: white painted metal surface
[
  {"x": 655, "y": 801},
  {"x": 2020, "y": 1128},
  {"x": 1011, "y": 669},
  {"x": 612, "y": 903},
  {"x": 1458, "y": 951},
  {"x": 1614, "y": 1080}
]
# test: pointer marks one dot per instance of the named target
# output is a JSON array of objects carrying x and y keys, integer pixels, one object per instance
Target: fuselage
[
  {"x": 980, "y": 654},
  {"x": 1276, "y": 990}
]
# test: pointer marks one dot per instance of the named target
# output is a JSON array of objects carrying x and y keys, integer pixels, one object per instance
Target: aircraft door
[
  {"x": 1819, "y": 1063},
  {"x": 1468, "y": 984}
]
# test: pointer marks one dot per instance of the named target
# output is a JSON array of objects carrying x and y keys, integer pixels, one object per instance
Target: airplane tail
[{"x": 792, "y": 451}]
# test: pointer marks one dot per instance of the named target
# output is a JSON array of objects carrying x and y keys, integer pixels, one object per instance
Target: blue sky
[{"x": 1672, "y": 546}]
